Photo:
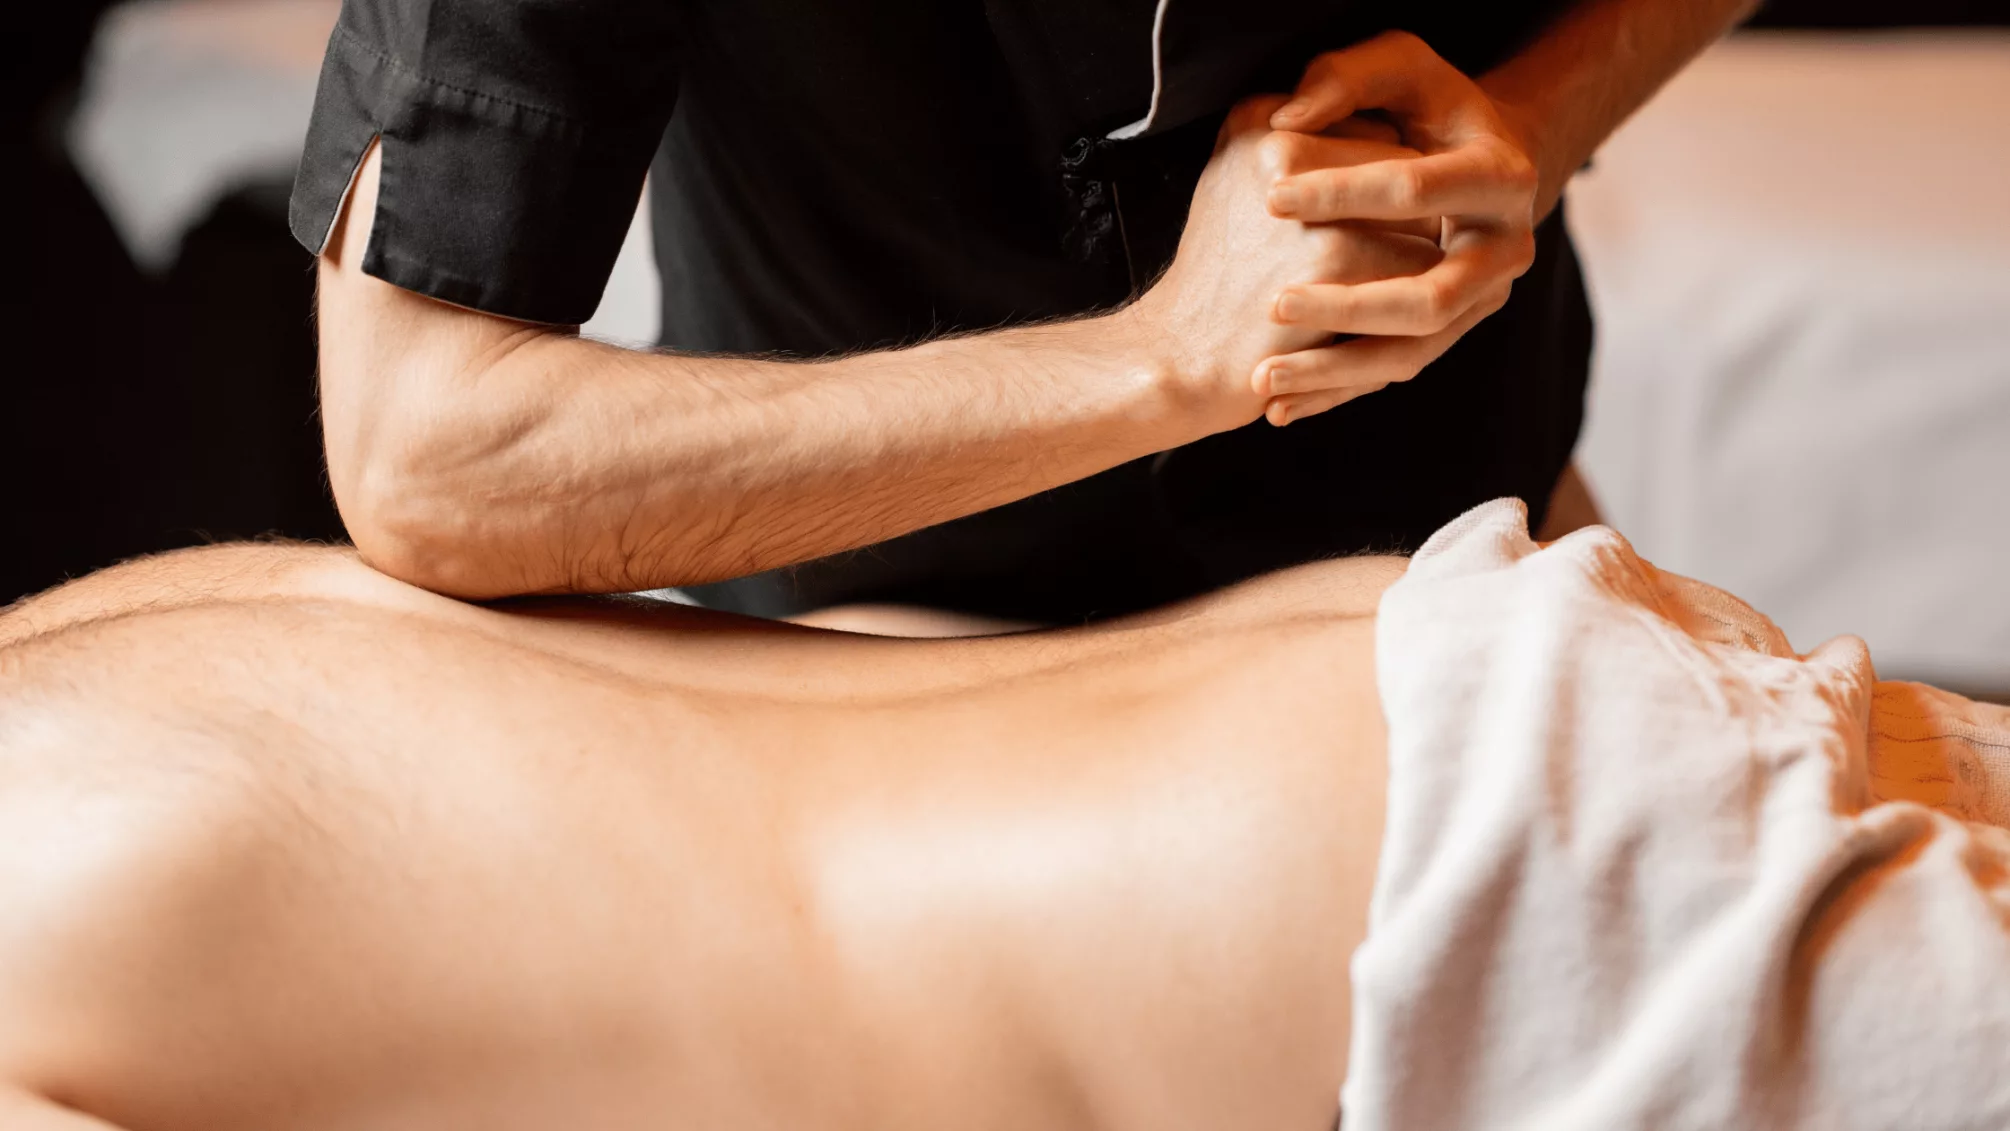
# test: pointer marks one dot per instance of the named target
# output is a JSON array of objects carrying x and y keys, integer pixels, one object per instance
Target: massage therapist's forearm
[
  {"x": 480, "y": 457},
  {"x": 1593, "y": 68},
  {"x": 581, "y": 467}
]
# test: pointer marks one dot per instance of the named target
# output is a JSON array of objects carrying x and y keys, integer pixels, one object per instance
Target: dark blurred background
[
  {"x": 149, "y": 409},
  {"x": 164, "y": 404}
]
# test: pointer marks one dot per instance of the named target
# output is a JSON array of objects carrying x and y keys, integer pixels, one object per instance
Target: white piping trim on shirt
[{"x": 1158, "y": 78}]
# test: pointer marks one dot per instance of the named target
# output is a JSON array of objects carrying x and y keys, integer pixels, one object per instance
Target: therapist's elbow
[
  {"x": 417, "y": 489},
  {"x": 403, "y": 528},
  {"x": 425, "y": 428}
]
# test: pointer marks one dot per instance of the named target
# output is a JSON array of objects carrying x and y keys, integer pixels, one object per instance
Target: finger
[
  {"x": 1394, "y": 71},
  {"x": 1283, "y": 153},
  {"x": 1431, "y": 229},
  {"x": 1360, "y": 362},
  {"x": 1354, "y": 256},
  {"x": 1284, "y": 410},
  {"x": 1362, "y": 127},
  {"x": 1335, "y": 368},
  {"x": 1486, "y": 178},
  {"x": 1295, "y": 380},
  {"x": 1416, "y": 305}
]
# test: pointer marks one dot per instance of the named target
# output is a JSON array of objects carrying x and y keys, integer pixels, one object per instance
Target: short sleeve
[{"x": 515, "y": 137}]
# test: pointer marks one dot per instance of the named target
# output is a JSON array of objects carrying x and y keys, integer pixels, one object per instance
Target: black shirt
[{"x": 843, "y": 174}]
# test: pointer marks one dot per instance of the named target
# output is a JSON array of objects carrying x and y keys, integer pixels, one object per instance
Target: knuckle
[
  {"x": 1275, "y": 152},
  {"x": 1419, "y": 51},
  {"x": 1307, "y": 374},
  {"x": 1437, "y": 300},
  {"x": 1333, "y": 309},
  {"x": 1326, "y": 201},
  {"x": 1252, "y": 113},
  {"x": 1247, "y": 108},
  {"x": 1319, "y": 305},
  {"x": 1406, "y": 187},
  {"x": 1407, "y": 40}
]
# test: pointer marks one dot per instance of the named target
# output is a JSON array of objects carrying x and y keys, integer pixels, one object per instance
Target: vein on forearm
[{"x": 670, "y": 470}]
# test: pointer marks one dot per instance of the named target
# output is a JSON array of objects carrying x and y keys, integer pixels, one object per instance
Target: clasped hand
[{"x": 1400, "y": 230}]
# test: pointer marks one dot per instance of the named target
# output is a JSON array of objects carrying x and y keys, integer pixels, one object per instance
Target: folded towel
[{"x": 1647, "y": 867}]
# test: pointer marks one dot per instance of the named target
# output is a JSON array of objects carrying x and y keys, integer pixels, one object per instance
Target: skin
[
  {"x": 1493, "y": 156},
  {"x": 294, "y": 845},
  {"x": 600, "y": 469}
]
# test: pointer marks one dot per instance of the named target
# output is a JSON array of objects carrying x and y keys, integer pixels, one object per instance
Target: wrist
[
  {"x": 1174, "y": 385},
  {"x": 1530, "y": 128}
]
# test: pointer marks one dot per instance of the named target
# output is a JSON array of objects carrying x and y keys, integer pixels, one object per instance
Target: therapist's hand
[
  {"x": 1213, "y": 307},
  {"x": 1476, "y": 176}
]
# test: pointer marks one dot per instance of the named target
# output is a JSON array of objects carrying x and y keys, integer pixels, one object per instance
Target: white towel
[{"x": 1645, "y": 867}]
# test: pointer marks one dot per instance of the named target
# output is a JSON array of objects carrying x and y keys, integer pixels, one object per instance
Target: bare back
[{"x": 290, "y": 845}]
